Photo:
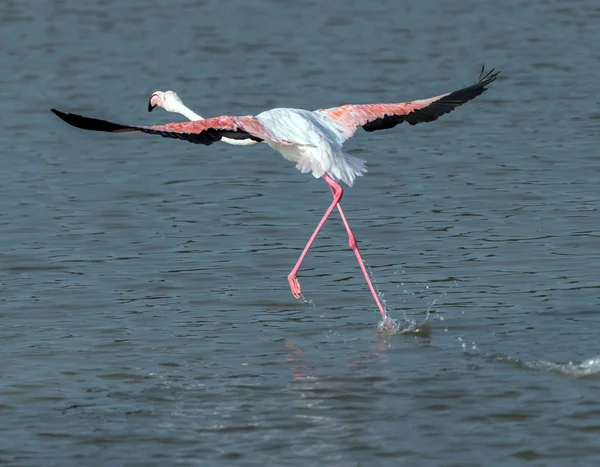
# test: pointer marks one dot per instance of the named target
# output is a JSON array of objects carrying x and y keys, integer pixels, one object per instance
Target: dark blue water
[{"x": 145, "y": 315}]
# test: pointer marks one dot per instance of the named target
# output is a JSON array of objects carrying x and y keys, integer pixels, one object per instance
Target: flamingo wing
[
  {"x": 383, "y": 116},
  {"x": 205, "y": 132}
]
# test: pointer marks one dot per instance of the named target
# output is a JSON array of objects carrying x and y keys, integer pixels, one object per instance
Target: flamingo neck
[
  {"x": 191, "y": 115},
  {"x": 187, "y": 113}
]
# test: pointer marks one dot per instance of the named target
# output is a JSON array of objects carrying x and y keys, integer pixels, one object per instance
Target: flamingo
[{"x": 311, "y": 139}]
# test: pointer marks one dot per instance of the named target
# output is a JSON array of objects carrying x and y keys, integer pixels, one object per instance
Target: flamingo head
[{"x": 168, "y": 100}]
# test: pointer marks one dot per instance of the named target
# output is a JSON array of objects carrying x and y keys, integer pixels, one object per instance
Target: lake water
[{"x": 145, "y": 315}]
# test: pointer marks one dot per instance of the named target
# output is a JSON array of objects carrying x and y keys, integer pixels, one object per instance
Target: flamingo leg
[
  {"x": 354, "y": 247},
  {"x": 337, "y": 192}
]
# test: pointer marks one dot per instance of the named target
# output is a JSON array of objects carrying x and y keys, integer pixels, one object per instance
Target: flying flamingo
[{"x": 311, "y": 139}]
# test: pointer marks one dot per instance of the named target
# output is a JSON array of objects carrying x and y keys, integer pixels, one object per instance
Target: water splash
[
  {"x": 408, "y": 325},
  {"x": 589, "y": 368},
  {"x": 427, "y": 312},
  {"x": 427, "y": 297},
  {"x": 470, "y": 348},
  {"x": 389, "y": 326},
  {"x": 309, "y": 302}
]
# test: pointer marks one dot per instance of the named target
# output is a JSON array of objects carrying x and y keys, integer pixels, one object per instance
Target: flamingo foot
[{"x": 294, "y": 285}]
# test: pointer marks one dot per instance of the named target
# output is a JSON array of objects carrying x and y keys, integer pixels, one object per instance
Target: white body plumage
[{"x": 315, "y": 143}]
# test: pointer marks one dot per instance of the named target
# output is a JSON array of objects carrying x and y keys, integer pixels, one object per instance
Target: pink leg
[
  {"x": 354, "y": 247},
  {"x": 337, "y": 192}
]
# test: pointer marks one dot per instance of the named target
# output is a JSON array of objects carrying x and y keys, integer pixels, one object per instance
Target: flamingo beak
[{"x": 153, "y": 102}]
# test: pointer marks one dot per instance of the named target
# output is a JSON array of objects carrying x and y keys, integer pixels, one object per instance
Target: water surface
[{"x": 145, "y": 315}]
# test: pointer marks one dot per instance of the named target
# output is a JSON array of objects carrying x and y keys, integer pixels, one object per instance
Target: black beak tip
[{"x": 150, "y": 106}]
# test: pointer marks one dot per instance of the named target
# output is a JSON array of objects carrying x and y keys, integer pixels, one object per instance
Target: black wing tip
[
  {"x": 486, "y": 78},
  {"x": 58, "y": 113},
  {"x": 66, "y": 117},
  {"x": 94, "y": 124}
]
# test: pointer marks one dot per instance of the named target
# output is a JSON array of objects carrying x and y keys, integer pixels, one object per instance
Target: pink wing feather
[
  {"x": 382, "y": 116},
  {"x": 206, "y": 132}
]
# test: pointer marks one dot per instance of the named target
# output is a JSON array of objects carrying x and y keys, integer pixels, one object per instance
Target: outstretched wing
[
  {"x": 206, "y": 132},
  {"x": 382, "y": 116}
]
